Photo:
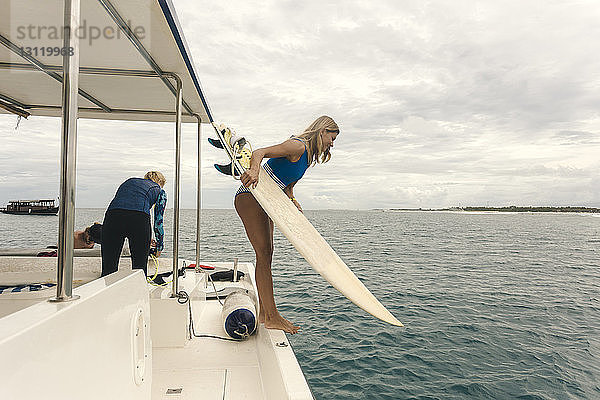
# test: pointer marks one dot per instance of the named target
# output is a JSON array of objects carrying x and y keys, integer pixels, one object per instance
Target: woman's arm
[
  {"x": 291, "y": 149},
  {"x": 159, "y": 210},
  {"x": 289, "y": 191}
]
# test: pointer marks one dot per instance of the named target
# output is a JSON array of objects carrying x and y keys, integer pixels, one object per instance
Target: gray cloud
[{"x": 440, "y": 104}]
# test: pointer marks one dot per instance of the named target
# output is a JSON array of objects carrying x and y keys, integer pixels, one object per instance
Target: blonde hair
[
  {"x": 312, "y": 137},
  {"x": 156, "y": 177}
]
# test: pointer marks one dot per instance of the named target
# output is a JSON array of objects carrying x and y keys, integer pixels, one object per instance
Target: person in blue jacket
[{"x": 128, "y": 216}]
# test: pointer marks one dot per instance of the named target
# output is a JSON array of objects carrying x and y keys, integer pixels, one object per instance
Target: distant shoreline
[{"x": 508, "y": 209}]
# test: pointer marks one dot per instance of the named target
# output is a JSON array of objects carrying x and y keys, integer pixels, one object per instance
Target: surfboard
[{"x": 310, "y": 244}]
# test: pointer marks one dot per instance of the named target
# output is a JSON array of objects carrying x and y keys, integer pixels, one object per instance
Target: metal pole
[
  {"x": 199, "y": 195},
  {"x": 66, "y": 222},
  {"x": 235, "y": 270},
  {"x": 177, "y": 181}
]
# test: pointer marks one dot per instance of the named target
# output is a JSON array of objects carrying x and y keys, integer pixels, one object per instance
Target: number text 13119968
[{"x": 47, "y": 51}]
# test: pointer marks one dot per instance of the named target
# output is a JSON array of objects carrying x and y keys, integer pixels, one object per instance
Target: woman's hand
[
  {"x": 297, "y": 205},
  {"x": 250, "y": 177}
]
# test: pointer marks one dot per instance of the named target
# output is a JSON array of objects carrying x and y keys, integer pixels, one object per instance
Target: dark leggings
[{"x": 121, "y": 224}]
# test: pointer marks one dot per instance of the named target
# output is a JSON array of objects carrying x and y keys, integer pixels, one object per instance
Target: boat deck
[
  {"x": 210, "y": 368},
  {"x": 261, "y": 367}
]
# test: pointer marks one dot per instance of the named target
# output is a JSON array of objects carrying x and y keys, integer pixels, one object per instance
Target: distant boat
[{"x": 30, "y": 207}]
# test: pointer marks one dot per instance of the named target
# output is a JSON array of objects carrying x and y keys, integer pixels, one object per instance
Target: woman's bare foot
[{"x": 278, "y": 322}]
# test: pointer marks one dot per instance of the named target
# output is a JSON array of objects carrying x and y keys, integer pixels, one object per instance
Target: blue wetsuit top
[
  {"x": 287, "y": 171},
  {"x": 138, "y": 194}
]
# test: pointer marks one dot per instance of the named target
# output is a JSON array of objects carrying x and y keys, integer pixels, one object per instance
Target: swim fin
[
  {"x": 226, "y": 169},
  {"x": 239, "y": 140},
  {"x": 215, "y": 142}
]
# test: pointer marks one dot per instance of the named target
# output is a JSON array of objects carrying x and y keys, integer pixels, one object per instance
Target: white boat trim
[{"x": 97, "y": 337}]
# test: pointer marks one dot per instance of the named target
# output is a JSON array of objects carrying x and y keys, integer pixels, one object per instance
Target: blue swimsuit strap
[{"x": 305, "y": 148}]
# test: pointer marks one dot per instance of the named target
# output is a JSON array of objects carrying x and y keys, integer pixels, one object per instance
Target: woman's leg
[
  {"x": 259, "y": 229},
  {"x": 112, "y": 241},
  {"x": 139, "y": 235}
]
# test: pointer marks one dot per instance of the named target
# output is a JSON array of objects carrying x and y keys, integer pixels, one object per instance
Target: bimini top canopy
[{"x": 131, "y": 53}]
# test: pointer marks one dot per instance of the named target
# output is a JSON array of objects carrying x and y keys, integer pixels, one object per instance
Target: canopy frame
[
  {"x": 70, "y": 109},
  {"x": 52, "y": 69}
]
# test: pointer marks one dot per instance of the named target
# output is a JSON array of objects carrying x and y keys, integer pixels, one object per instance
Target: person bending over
[
  {"x": 128, "y": 216},
  {"x": 87, "y": 238},
  {"x": 286, "y": 165}
]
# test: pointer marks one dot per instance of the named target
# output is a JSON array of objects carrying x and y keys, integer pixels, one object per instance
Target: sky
[{"x": 440, "y": 104}]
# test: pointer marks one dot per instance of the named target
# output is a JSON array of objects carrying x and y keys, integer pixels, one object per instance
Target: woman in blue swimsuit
[{"x": 286, "y": 165}]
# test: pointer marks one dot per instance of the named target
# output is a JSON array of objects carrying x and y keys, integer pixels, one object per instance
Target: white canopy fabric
[{"x": 35, "y": 28}]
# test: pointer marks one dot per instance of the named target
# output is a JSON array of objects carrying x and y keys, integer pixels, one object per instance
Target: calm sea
[{"x": 496, "y": 306}]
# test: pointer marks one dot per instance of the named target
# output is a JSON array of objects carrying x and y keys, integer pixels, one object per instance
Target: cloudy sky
[{"x": 440, "y": 103}]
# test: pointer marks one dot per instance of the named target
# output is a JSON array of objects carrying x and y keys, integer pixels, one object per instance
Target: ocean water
[{"x": 495, "y": 306}]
